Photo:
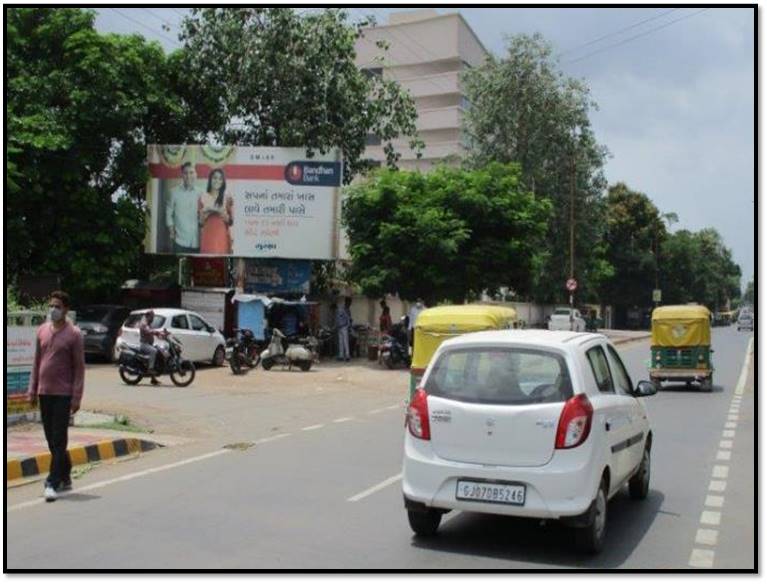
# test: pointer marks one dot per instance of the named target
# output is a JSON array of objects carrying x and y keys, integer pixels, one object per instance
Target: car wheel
[
  {"x": 707, "y": 384},
  {"x": 219, "y": 356},
  {"x": 591, "y": 538},
  {"x": 639, "y": 484},
  {"x": 424, "y": 523}
]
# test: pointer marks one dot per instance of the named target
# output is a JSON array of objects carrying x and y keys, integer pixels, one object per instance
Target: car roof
[
  {"x": 166, "y": 312},
  {"x": 536, "y": 338}
]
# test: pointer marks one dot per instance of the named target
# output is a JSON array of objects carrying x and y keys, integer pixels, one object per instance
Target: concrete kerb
[{"x": 40, "y": 463}]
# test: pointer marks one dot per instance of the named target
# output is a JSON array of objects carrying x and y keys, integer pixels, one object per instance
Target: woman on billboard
[{"x": 215, "y": 211}]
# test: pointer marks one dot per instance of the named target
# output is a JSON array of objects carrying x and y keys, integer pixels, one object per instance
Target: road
[{"x": 314, "y": 484}]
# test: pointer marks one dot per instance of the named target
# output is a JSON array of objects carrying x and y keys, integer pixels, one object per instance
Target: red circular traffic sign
[{"x": 571, "y": 284}]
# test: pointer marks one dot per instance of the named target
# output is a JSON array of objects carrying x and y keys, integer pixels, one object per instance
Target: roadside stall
[{"x": 435, "y": 325}]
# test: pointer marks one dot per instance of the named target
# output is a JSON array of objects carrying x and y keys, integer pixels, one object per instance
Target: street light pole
[{"x": 572, "y": 222}]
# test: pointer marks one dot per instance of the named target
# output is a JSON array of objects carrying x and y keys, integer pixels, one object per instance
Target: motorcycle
[
  {"x": 302, "y": 355},
  {"x": 242, "y": 350},
  {"x": 134, "y": 365},
  {"x": 394, "y": 352}
]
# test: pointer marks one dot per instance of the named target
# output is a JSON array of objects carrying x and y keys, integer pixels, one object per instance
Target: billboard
[{"x": 251, "y": 202}]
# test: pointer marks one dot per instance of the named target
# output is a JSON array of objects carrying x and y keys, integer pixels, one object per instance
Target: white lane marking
[
  {"x": 707, "y": 536},
  {"x": 740, "y": 388},
  {"x": 272, "y": 438},
  {"x": 730, "y": 425},
  {"x": 725, "y": 444},
  {"x": 394, "y": 407},
  {"x": 315, "y": 427},
  {"x": 376, "y": 411},
  {"x": 723, "y": 455},
  {"x": 720, "y": 472},
  {"x": 711, "y": 517},
  {"x": 128, "y": 477},
  {"x": 728, "y": 433},
  {"x": 375, "y": 488},
  {"x": 702, "y": 558},
  {"x": 342, "y": 420},
  {"x": 714, "y": 501},
  {"x": 717, "y": 486},
  {"x": 733, "y": 417}
]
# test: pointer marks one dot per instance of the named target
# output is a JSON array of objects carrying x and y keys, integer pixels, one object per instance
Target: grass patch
[{"x": 121, "y": 424}]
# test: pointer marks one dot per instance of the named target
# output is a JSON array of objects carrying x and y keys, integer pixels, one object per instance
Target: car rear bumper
[
  {"x": 679, "y": 374},
  {"x": 97, "y": 344},
  {"x": 564, "y": 487}
]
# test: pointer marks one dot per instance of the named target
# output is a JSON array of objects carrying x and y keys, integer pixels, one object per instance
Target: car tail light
[
  {"x": 574, "y": 422},
  {"x": 418, "y": 415}
]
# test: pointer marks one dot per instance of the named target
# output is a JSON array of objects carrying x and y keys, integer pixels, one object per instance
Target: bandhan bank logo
[{"x": 313, "y": 173}]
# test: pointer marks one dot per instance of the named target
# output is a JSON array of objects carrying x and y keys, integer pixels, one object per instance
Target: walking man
[
  {"x": 181, "y": 217},
  {"x": 343, "y": 322},
  {"x": 57, "y": 379}
]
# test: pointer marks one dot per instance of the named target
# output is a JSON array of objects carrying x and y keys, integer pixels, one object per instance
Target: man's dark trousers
[{"x": 54, "y": 410}]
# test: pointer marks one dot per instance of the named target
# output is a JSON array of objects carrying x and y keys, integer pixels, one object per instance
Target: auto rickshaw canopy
[
  {"x": 681, "y": 326},
  {"x": 436, "y": 325}
]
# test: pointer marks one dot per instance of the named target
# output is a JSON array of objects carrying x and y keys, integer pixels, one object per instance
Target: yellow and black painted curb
[{"x": 40, "y": 463}]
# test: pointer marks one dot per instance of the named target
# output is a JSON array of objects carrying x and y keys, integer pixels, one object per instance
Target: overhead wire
[
  {"x": 617, "y": 32},
  {"x": 146, "y": 26},
  {"x": 642, "y": 34}
]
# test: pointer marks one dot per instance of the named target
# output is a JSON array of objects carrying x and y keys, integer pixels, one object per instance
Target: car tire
[
  {"x": 707, "y": 384},
  {"x": 219, "y": 356},
  {"x": 591, "y": 538},
  {"x": 424, "y": 523},
  {"x": 639, "y": 484}
]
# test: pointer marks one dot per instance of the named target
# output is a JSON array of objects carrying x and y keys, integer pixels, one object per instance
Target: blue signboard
[{"x": 273, "y": 276}]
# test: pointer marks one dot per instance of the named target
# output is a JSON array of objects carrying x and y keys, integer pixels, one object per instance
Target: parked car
[
  {"x": 526, "y": 423},
  {"x": 746, "y": 321},
  {"x": 567, "y": 319},
  {"x": 201, "y": 342},
  {"x": 100, "y": 325}
]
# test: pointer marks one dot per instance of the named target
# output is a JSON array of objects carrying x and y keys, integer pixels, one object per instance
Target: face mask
[{"x": 55, "y": 314}]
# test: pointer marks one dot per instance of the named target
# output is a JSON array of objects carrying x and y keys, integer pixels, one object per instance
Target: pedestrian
[
  {"x": 343, "y": 322},
  {"x": 384, "y": 322},
  {"x": 56, "y": 382}
]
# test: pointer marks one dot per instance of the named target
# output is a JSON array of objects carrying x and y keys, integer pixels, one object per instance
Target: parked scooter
[
  {"x": 243, "y": 351},
  {"x": 394, "y": 352},
  {"x": 134, "y": 365},
  {"x": 294, "y": 354}
]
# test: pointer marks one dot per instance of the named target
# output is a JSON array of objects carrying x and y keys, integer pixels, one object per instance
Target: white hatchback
[
  {"x": 527, "y": 423},
  {"x": 201, "y": 341}
]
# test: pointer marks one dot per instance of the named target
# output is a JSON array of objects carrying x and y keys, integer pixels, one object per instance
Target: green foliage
[
  {"x": 289, "y": 80},
  {"x": 525, "y": 110},
  {"x": 634, "y": 232},
  {"x": 697, "y": 267},
  {"x": 446, "y": 235},
  {"x": 80, "y": 108},
  {"x": 748, "y": 295}
]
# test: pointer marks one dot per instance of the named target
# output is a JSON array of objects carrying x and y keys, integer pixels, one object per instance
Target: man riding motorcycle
[{"x": 146, "y": 338}]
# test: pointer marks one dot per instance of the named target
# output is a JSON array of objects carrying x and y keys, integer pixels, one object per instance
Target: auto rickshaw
[
  {"x": 681, "y": 346},
  {"x": 436, "y": 325}
]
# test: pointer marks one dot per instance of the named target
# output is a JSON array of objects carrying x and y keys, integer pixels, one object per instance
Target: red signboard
[{"x": 209, "y": 272}]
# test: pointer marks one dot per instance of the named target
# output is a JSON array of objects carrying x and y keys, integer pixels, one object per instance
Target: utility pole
[{"x": 572, "y": 222}]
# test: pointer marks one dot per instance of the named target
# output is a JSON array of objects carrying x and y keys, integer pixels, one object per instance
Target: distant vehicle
[
  {"x": 526, "y": 423},
  {"x": 561, "y": 320},
  {"x": 746, "y": 321},
  {"x": 100, "y": 326},
  {"x": 201, "y": 341}
]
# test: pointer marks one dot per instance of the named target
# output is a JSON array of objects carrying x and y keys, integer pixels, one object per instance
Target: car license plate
[{"x": 489, "y": 492}]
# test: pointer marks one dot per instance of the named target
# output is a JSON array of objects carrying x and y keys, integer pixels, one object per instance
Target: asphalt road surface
[{"x": 324, "y": 494}]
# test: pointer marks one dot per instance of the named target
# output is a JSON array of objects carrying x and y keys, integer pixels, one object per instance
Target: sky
[{"x": 676, "y": 103}]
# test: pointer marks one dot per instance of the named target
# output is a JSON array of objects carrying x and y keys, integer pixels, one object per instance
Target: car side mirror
[
  {"x": 211, "y": 330},
  {"x": 645, "y": 389}
]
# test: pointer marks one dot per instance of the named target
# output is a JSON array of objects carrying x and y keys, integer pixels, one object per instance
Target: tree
[
  {"x": 446, "y": 235},
  {"x": 635, "y": 230},
  {"x": 748, "y": 295},
  {"x": 697, "y": 267},
  {"x": 523, "y": 109},
  {"x": 272, "y": 77},
  {"x": 80, "y": 108}
]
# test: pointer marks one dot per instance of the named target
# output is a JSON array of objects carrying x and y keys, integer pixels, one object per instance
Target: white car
[
  {"x": 526, "y": 423},
  {"x": 201, "y": 342},
  {"x": 561, "y": 320},
  {"x": 745, "y": 321}
]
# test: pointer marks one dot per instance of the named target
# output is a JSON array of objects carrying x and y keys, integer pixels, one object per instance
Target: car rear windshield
[
  {"x": 93, "y": 314},
  {"x": 500, "y": 376},
  {"x": 562, "y": 311},
  {"x": 133, "y": 320}
]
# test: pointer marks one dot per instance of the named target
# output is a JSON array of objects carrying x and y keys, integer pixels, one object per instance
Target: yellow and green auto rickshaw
[
  {"x": 436, "y": 325},
  {"x": 681, "y": 345}
]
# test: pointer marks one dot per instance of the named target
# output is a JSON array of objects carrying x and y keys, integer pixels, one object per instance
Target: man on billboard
[{"x": 181, "y": 216}]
